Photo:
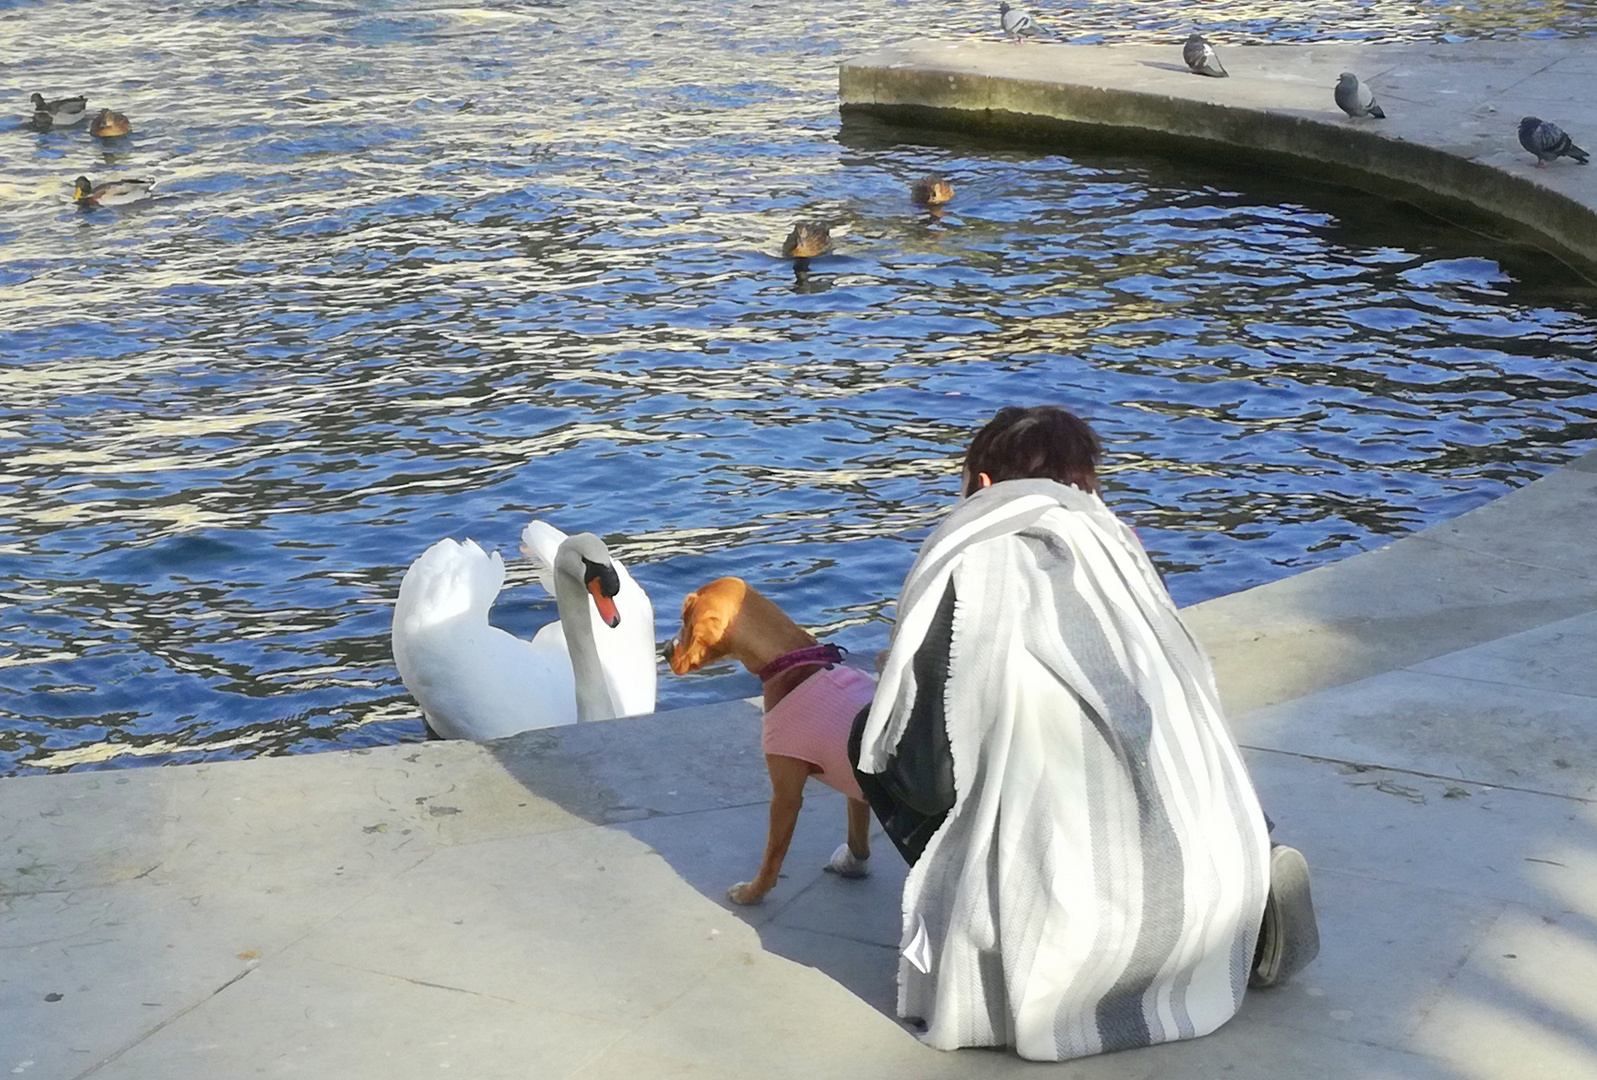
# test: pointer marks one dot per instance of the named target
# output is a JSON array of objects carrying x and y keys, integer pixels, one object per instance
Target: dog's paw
[
  {"x": 844, "y": 863},
  {"x": 745, "y": 893}
]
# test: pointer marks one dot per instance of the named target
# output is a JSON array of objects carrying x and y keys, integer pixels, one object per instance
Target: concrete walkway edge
[{"x": 1449, "y": 143}]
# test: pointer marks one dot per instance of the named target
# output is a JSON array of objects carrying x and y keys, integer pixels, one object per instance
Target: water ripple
[{"x": 419, "y": 270}]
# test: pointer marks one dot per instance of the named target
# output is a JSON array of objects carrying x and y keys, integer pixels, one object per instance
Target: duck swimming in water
[
  {"x": 930, "y": 191},
  {"x": 63, "y": 112},
  {"x": 108, "y": 124},
  {"x": 114, "y": 193},
  {"x": 808, "y": 240}
]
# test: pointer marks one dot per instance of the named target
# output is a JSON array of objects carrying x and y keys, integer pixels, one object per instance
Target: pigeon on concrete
[
  {"x": 1354, "y": 98},
  {"x": 1548, "y": 142},
  {"x": 1201, "y": 58},
  {"x": 1016, "y": 24}
]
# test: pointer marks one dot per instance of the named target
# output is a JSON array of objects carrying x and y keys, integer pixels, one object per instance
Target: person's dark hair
[{"x": 1043, "y": 442}]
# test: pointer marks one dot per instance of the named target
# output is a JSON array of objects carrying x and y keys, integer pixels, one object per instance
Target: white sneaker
[{"x": 844, "y": 863}]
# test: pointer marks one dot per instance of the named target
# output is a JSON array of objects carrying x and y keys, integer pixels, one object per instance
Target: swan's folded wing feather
[
  {"x": 447, "y": 580},
  {"x": 539, "y": 543},
  {"x": 479, "y": 682},
  {"x": 471, "y": 679}
]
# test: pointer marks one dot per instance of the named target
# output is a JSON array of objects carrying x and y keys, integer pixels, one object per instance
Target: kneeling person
[{"x": 1047, "y": 748}]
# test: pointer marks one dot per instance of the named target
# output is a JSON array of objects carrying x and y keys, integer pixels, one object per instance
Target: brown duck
[
  {"x": 108, "y": 125},
  {"x": 930, "y": 191},
  {"x": 808, "y": 240}
]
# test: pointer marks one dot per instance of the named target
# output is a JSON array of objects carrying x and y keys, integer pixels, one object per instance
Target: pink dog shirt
[{"x": 812, "y": 724}]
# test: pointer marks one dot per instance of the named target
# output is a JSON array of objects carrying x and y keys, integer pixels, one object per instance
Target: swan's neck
[{"x": 576, "y": 619}]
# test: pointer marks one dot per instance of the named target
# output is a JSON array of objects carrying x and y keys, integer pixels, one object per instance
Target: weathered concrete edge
[
  {"x": 928, "y": 95},
  {"x": 1422, "y": 596}
]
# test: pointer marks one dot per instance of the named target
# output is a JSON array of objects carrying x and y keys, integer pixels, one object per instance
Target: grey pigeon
[
  {"x": 1016, "y": 24},
  {"x": 1200, "y": 57},
  {"x": 1548, "y": 142},
  {"x": 1354, "y": 98}
]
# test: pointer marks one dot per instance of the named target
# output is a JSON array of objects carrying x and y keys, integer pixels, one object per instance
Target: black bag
[{"x": 914, "y": 793}]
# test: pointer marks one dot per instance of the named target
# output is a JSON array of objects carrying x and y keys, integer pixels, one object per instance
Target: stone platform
[{"x": 1449, "y": 142}]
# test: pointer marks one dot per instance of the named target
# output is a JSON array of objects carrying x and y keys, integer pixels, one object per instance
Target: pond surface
[{"x": 420, "y": 271}]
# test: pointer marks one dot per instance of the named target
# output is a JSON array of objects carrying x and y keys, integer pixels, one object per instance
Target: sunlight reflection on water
[{"x": 428, "y": 271}]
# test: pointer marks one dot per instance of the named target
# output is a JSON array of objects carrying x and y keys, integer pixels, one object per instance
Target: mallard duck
[
  {"x": 115, "y": 193},
  {"x": 108, "y": 125},
  {"x": 931, "y": 191},
  {"x": 808, "y": 240},
  {"x": 63, "y": 112}
]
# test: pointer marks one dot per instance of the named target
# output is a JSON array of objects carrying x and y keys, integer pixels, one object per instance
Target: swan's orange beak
[{"x": 606, "y": 606}]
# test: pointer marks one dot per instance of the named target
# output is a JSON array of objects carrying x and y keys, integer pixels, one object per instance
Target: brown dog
[{"x": 728, "y": 618}]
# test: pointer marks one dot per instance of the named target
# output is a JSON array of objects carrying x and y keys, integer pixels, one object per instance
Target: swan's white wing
[
  {"x": 539, "y": 543},
  {"x": 478, "y": 682},
  {"x": 473, "y": 680},
  {"x": 627, "y": 653},
  {"x": 447, "y": 580}
]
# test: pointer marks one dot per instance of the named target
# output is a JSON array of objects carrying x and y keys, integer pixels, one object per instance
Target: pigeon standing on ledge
[
  {"x": 1548, "y": 142},
  {"x": 1355, "y": 99},
  {"x": 1016, "y": 24},
  {"x": 1201, "y": 57}
]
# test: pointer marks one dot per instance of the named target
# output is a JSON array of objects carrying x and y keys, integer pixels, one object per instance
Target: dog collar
[{"x": 827, "y": 654}]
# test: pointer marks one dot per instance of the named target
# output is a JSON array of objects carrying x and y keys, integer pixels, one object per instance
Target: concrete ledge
[
  {"x": 1449, "y": 143},
  {"x": 1519, "y": 562}
]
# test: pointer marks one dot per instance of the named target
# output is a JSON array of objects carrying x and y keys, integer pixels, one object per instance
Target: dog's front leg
[{"x": 787, "y": 797}]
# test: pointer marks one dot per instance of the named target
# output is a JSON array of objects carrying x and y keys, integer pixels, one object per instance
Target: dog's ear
[
  {"x": 692, "y": 647},
  {"x": 706, "y": 617}
]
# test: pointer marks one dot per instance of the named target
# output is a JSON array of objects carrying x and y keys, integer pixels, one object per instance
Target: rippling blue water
[{"x": 419, "y": 271}]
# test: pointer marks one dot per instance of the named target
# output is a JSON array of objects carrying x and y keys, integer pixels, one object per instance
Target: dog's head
[{"x": 707, "y": 618}]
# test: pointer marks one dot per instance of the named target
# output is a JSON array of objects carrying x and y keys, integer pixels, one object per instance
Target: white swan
[{"x": 475, "y": 681}]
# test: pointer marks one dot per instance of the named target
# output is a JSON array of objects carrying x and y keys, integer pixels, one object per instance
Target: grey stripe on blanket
[{"x": 1098, "y": 883}]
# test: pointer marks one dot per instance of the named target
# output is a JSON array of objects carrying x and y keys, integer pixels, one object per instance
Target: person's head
[{"x": 1043, "y": 442}]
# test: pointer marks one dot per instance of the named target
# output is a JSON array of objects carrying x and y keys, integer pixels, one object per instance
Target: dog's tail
[{"x": 539, "y": 542}]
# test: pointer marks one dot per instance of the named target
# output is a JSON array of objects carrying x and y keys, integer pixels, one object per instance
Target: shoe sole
[{"x": 1289, "y": 933}]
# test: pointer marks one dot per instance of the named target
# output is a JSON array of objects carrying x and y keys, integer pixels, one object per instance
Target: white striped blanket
[{"x": 1099, "y": 880}]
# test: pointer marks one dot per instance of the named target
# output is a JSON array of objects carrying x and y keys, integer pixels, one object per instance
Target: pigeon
[
  {"x": 115, "y": 193},
  {"x": 1201, "y": 59},
  {"x": 1016, "y": 24},
  {"x": 63, "y": 112},
  {"x": 1354, "y": 98},
  {"x": 1548, "y": 142}
]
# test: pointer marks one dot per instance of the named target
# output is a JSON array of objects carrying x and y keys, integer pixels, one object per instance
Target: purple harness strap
[{"x": 811, "y": 654}]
